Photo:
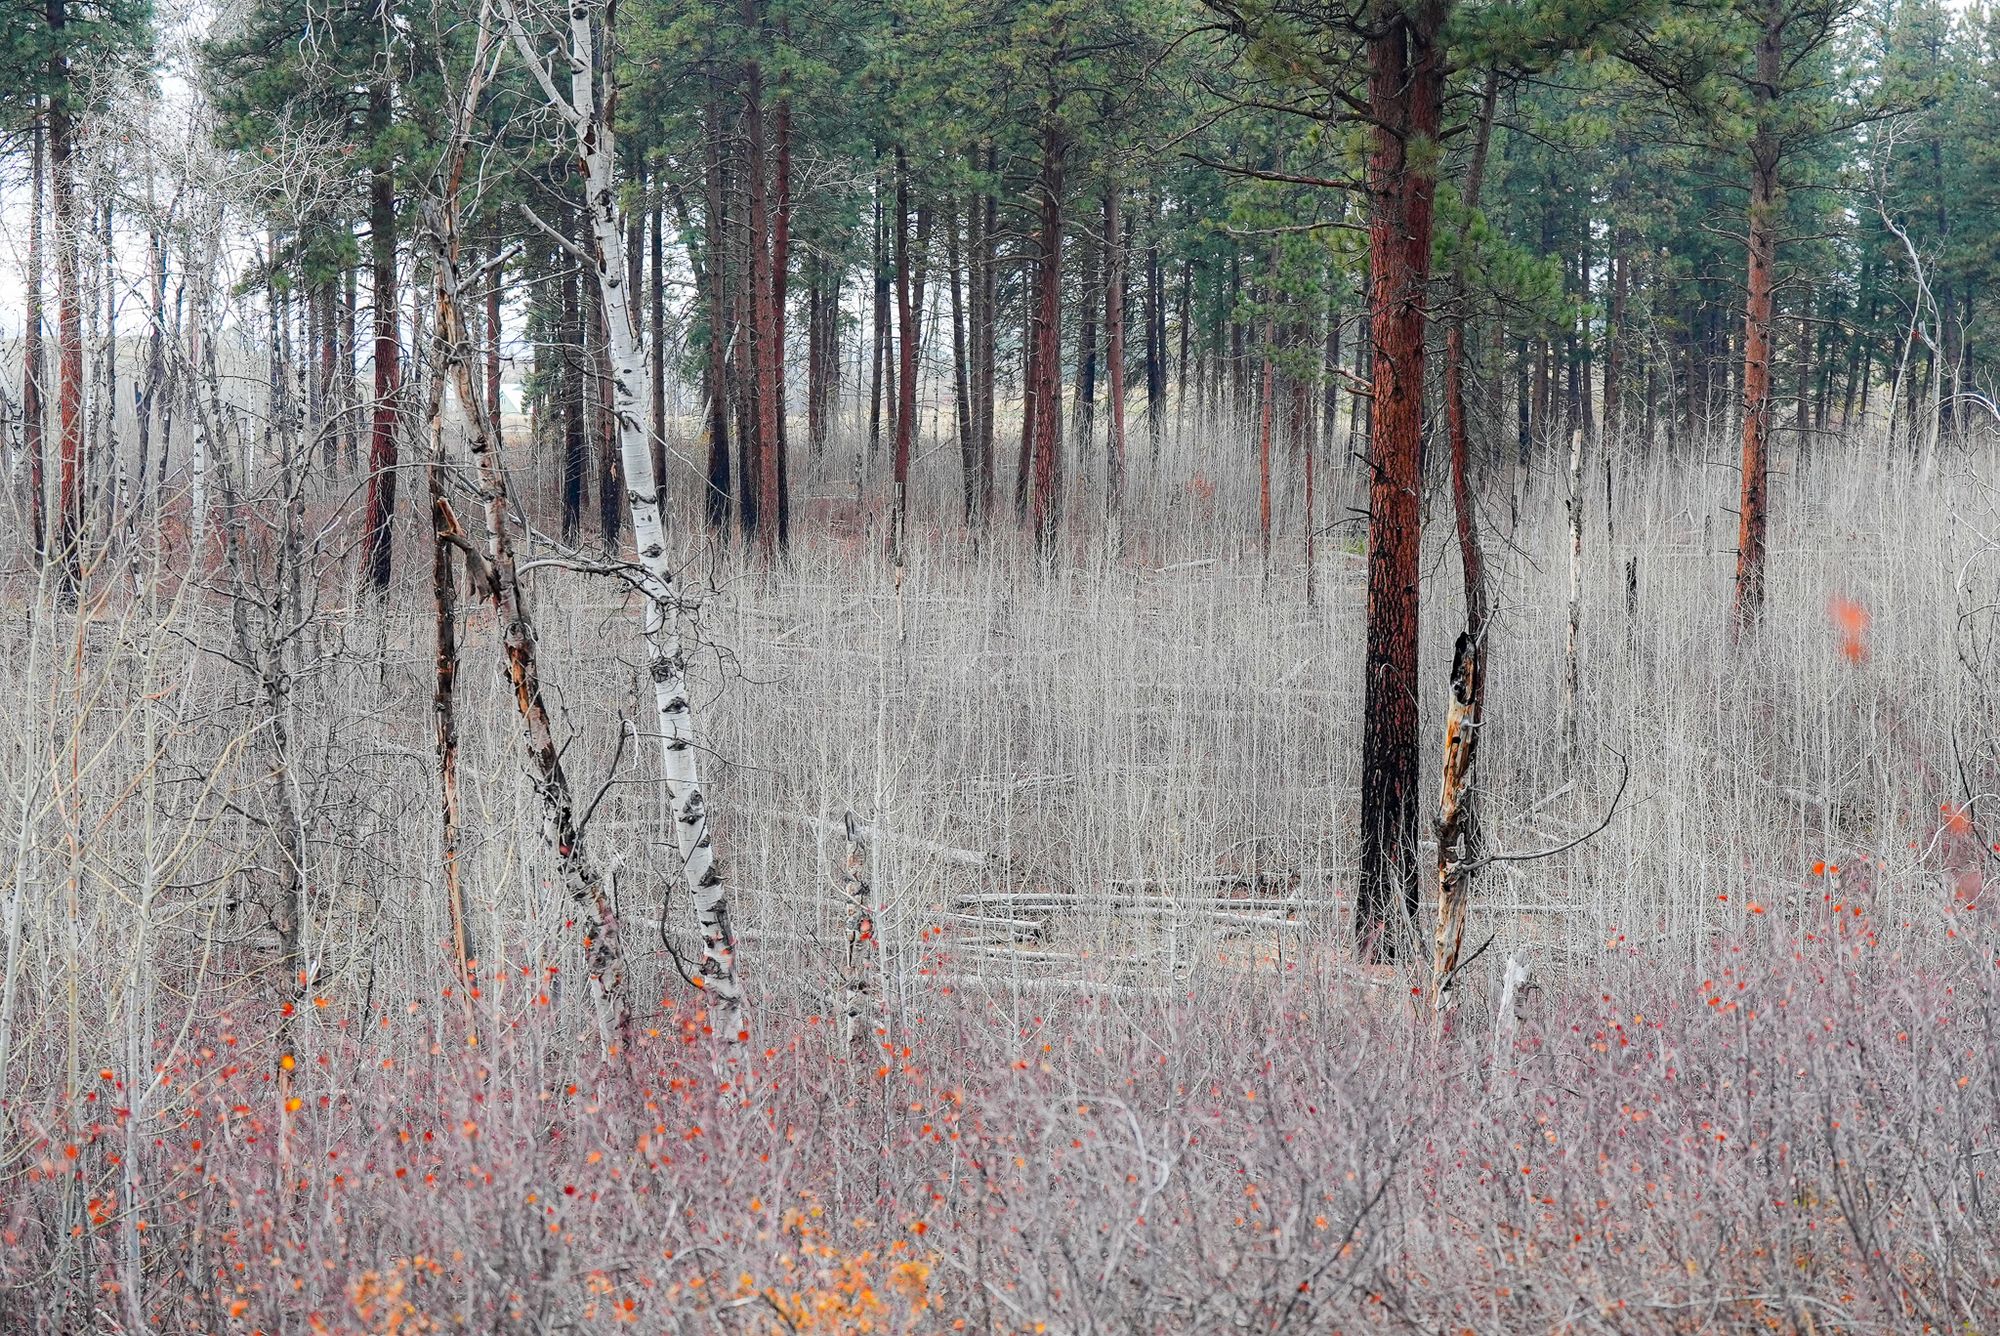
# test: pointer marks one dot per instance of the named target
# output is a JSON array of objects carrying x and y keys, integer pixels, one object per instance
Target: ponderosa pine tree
[{"x": 1387, "y": 65}]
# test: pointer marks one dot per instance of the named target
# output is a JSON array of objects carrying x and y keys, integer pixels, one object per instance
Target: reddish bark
[
  {"x": 1047, "y": 390},
  {"x": 1405, "y": 93},
  {"x": 743, "y": 342},
  {"x": 376, "y": 543},
  {"x": 1752, "y": 520},
  {"x": 1031, "y": 353}
]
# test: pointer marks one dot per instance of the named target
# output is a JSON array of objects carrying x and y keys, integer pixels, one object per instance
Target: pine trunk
[
  {"x": 1758, "y": 309},
  {"x": 376, "y": 548},
  {"x": 1406, "y": 82},
  {"x": 1047, "y": 393},
  {"x": 743, "y": 339}
]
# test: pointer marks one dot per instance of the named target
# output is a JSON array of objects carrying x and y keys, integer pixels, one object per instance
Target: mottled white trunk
[
  {"x": 666, "y": 652},
  {"x": 863, "y": 947}
]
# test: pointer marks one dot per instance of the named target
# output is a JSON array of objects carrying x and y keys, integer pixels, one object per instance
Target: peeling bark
[{"x": 1458, "y": 821}]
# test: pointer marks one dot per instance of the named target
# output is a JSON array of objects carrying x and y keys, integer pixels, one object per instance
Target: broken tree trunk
[
  {"x": 444, "y": 698},
  {"x": 498, "y": 576},
  {"x": 1458, "y": 818},
  {"x": 1458, "y": 813}
]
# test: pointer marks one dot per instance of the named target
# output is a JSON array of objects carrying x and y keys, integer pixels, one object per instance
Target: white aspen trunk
[
  {"x": 200, "y": 353},
  {"x": 197, "y": 467},
  {"x": 1506, "y": 1022},
  {"x": 863, "y": 946},
  {"x": 665, "y": 650}
]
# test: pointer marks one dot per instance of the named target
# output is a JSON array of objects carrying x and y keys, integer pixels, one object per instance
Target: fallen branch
[
  {"x": 872, "y": 834},
  {"x": 1624, "y": 777}
]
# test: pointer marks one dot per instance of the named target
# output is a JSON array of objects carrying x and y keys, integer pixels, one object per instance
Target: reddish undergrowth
[{"x": 1805, "y": 1138}]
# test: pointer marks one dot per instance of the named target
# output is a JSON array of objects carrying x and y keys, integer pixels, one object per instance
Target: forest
[{"x": 1016, "y": 666}]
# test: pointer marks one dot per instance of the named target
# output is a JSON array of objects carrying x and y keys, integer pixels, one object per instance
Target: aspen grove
[{"x": 1004, "y": 666}]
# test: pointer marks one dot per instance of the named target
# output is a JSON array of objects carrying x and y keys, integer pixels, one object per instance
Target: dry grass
[{"x": 1128, "y": 742}]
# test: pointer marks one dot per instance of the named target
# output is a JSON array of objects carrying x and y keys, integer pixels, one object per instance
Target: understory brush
[{"x": 1800, "y": 1138}]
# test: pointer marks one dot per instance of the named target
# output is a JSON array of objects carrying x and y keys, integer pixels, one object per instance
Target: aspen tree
[{"x": 661, "y": 628}]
